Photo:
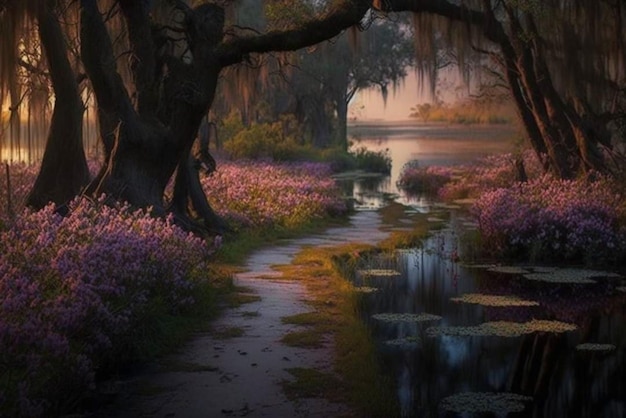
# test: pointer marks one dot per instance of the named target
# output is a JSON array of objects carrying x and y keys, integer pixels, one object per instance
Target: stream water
[{"x": 443, "y": 368}]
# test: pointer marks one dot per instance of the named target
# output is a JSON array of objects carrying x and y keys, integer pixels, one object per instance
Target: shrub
[
  {"x": 78, "y": 292},
  {"x": 266, "y": 194},
  {"x": 554, "y": 219},
  {"x": 488, "y": 173},
  {"x": 275, "y": 140},
  {"x": 423, "y": 180},
  {"x": 372, "y": 161}
]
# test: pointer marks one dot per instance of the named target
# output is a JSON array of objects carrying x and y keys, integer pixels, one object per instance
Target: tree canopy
[{"x": 153, "y": 68}]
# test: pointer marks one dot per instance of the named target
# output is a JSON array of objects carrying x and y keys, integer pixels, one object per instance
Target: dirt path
[{"x": 241, "y": 375}]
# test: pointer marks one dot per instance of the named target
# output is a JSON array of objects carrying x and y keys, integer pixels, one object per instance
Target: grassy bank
[{"x": 358, "y": 377}]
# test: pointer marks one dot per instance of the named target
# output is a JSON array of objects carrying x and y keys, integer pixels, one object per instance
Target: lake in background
[{"x": 428, "y": 144}]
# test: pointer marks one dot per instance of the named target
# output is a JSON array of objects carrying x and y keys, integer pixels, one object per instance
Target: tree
[
  {"x": 317, "y": 84},
  {"x": 563, "y": 62},
  {"x": 329, "y": 78},
  {"x": 148, "y": 124}
]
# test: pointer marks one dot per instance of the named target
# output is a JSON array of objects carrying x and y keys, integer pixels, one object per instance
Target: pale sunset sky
[{"x": 369, "y": 104}]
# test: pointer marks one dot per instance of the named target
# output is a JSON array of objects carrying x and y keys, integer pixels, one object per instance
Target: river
[{"x": 451, "y": 335}]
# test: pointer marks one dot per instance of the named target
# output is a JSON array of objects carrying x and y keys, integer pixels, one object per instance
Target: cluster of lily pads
[{"x": 502, "y": 329}]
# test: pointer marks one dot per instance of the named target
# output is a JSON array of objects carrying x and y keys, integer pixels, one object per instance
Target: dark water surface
[{"x": 556, "y": 377}]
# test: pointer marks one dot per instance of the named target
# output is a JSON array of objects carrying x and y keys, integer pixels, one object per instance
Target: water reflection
[
  {"x": 562, "y": 381},
  {"x": 426, "y": 144}
]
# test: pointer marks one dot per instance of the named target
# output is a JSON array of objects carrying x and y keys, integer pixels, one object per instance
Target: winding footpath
[{"x": 241, "y": 376}]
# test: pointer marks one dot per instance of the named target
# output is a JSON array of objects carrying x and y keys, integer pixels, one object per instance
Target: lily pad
[
  {"x": 434, "y": 219},
  {"x": 379, "y": 272},
  {"x": 497, "y": 403},
  {"x": 595, "y": 347},
  {"x": 572, "y": 276},
  {"x": 406, "y": 342},
  {"x": 478, "y": 266},
  {"x": 365, "y": 289},
  {"x": 508, "y": 270},
  {"x": 541, "y": 269},
  {"x": 502, "y": 329},
  {"x": 405, "y": 317},
  {"x": 493, "y": 300}
]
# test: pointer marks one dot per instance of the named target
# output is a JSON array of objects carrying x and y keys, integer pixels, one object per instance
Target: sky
[{"x": 369, "y": 104}]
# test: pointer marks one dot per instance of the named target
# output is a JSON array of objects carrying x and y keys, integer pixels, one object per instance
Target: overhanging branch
[{"x": 345, "y": 14}]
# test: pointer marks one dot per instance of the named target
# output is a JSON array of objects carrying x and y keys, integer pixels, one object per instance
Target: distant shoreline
[{"x": 416, "y": 122}]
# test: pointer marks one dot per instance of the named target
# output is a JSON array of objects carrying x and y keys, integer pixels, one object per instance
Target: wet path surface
[{"x": 242, "y": 375}]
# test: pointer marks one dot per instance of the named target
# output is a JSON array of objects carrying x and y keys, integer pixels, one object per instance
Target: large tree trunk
[
  {"x": 141, "y": 155},
  {"x": 63, "y": 171}
]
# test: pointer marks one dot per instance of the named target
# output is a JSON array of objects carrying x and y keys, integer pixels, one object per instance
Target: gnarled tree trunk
[{"x": 63, "y": 172}]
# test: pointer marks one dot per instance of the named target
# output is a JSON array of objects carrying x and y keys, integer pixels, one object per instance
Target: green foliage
[
  {"x": 465, "y": 112},
  {"x": 287, "y": 13},
  {"x": 230, "y": 126},
  {"x": 276, "y": 140},
  {"x": 339, "y": 159},
  {"x": 372, "y": 161}
]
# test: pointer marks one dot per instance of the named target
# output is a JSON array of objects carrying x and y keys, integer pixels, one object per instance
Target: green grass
[
  {"x": 236, "y": 300},
  {"x": 362, "y": 383},
  {"x": 309, "y": 338},
  {"x": 236, "y": 248},
  {"x": 310, "y": 383}
]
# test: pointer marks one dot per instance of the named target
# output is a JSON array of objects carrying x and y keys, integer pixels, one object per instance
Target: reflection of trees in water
[
  {"x": 568, "y": 383},
  {"x": 561, "y": 380}
]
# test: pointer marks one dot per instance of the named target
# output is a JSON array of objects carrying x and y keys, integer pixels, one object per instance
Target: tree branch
[{"x": 342, "y": 16}]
